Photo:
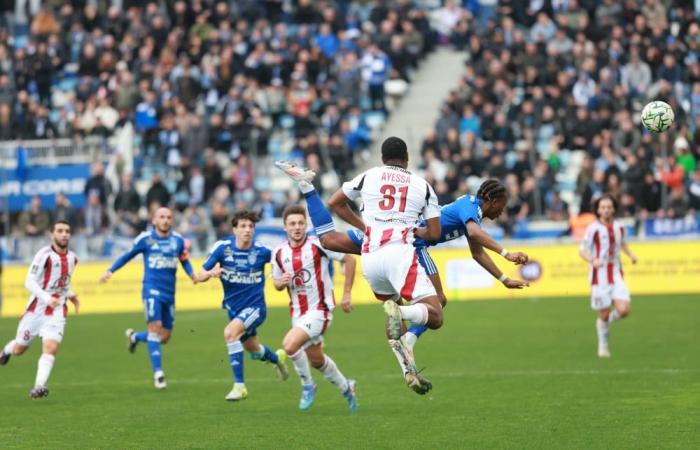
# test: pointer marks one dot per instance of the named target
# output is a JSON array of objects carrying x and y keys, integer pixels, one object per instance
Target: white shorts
[
  {"x": 602, "y": 295},
  {"x": 314, "y": 323},
  {"x": 47, "y": 327},
  {"x": 393, "y": 271}
]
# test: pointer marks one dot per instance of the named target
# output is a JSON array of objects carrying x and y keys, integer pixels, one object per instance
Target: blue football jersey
[
  {"x": 160, "y": 258},
  {"x": 453, "y": 221},
  {"x": 242, "y": 272}
]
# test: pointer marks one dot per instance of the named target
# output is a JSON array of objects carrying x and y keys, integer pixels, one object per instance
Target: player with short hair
[
  {"x": 162, "y": 248},
  {"x": 459, "y": 218},
  {"x": 601, "y": 247},
  {"x": 48, "y": 280},
  {"x": 239, "y": 262},
  {"x": 302, "y": 267}
]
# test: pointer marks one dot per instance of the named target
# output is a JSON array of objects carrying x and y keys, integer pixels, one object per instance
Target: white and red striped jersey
[
  {"x": 393, "y": 203},
  {"x": 49, "y": 276},
  {"x": 309, "y": 264},
  {"x": 604, "y": 242}
]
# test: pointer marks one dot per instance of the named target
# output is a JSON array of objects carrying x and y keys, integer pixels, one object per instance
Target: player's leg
[
  {"x": 325, "y": 364},
  {"x": 621, "y": 301},
  {"x": 294, "y": 345},
  {"x": 426, "y": 261},
  {"x": 27, "y": 330},
  {"x": 601, "y": 303},
  {"x": 232, "y": 335},
  {"x": 49, "y": 349},
  {"x": 252, "y": 319}
]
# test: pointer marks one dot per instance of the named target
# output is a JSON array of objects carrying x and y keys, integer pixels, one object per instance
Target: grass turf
[{"x": 506, "y": 374}]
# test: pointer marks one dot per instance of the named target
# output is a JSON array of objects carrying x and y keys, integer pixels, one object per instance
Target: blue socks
[
  {"x": 319, "y": 214},
  {"x": 141, "y": 336},
  {"x": 265, "y": 354},
  {"x": 417, "y": 329},
  {"x": 153, "y": 342},
  {"x": 235, "y": 355}
]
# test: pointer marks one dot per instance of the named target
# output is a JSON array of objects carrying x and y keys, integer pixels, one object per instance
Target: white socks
[
  {"x": 44, "y": 369},
  {"x": 9, "y": 348},
  {"x": 332, "y": 374},
  {"x": 301, "y": 365},
  {"x": 417, "y": 313},
  {"x": 603, "y": 329},
  {"x": 410, "y": 339},
  {"x": 305, "y": 187}
]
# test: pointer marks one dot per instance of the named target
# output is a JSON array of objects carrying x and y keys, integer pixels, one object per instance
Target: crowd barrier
[{"x": 554, "y": 271}]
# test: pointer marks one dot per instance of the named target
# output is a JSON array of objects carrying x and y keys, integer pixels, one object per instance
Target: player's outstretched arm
[
  {"x": 204, "y": 275},
  {"x": 350, "y": 265},
  {"x": 122, "y": 260},
  {"x": 431, "y": 231},
  {"x": 339, "y": 203},
  {"x": 485, "y": 261},
  {"x": 625, "y": 248},
  {"x": 481, "y": 237}
]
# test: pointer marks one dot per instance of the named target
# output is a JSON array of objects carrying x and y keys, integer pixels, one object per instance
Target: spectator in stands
[
  {"x": 34, "y": 221},
  {"x": 127, "y": 198},
  {"x": 98, "y": 184},
  {"x": 157, "y": 193},
  {"x": 377, "y": 67},
  {"x": 677, "y": 205},
  {"x": 694, "y": 192},
  {"x": 651, "y": 196},
  {"x": 219, "y": 219},
  {"x": 672, "y": 174},
  {"x": 194, "y": 225},
  {"x": 64, "y": 210},
  {"x": 557, "y": 209}
]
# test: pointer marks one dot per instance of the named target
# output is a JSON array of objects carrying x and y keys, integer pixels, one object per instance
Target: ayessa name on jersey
[
  {"x": 232, "y": 276},
  {"x": 162, "y": 262},
  {"x": 394, "y": 177}
]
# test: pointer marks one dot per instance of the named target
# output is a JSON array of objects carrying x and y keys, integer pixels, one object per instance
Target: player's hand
[
  {"x": 346, "y": 303},
  {"x": 285, "y": 279},
  {"x": 515, "y": 284},
  {"x": 105, "y": 277},
  {"x": 597, "y": 263},
  {"x": 76, "y": 303},
  {"x": 215, "y": 272},
  {"x": 633, "y": 258},
  {"x": 517, "y": 257}
]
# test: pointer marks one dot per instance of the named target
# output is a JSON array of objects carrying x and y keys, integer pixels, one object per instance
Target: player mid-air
[
  {"x": 601, "y": 247},
  {"x": 239, "y": 261},
  {"x": 462, "y": 217},
  {"x": 162, "y": 249},
  {"x": 301, "y": 266},
  {"x": 48, "y": 280}
]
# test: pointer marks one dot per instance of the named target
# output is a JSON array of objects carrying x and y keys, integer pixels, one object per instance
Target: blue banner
[
  {"x": 17, "y": 187},
  {"x": 672, "y": 227}
]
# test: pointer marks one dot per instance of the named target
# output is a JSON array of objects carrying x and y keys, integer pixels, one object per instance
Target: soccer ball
[{"x": 657, "y": 116}]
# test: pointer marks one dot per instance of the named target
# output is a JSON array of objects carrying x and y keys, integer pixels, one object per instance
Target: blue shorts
[
  {"x": 251, "y": 316},
  {"x": 424, "y": 258},
  {"x": 157, "y": 309}
]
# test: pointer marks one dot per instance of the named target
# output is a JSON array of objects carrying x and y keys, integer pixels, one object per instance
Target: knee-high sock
[
  {"x": 603, "y": 330},
  {"x": 140, "y": 336},
  {"x": 418, "y": 313},
  {"x": 614, "y": 315},
  {"x": 9, "y": 347},
  {"x": 394, "y": 345},
  {"x": 301, "y": 365},
  {"x": 235, "y": 356},
  {"x": 154, "y": 353},
  {"x": 44, "y": 369},
  {"x": 319, "y": 214},
  {"x": 332, "y": 374}
]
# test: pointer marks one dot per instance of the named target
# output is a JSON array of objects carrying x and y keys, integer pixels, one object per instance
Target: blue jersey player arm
[
  {"x": 211, "y": 267},
  {"x": 138, "y": 247},
  {"x": 185, "y": 261}
]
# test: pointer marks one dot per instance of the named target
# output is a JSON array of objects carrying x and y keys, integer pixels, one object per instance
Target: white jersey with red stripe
[
  {"x": 311, "y": 287},
  {"x": 393, "y": 202},
  {"x": 49, "y": 276},
  {"x": 604, "y": 242}
]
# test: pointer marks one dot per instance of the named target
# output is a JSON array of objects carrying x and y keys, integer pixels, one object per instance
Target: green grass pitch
[{"x": 506, "y": 374}]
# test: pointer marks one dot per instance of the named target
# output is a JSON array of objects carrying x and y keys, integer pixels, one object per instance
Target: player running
[
  {"x": 302, "y": 266},
  {"x": 239, "y": 262},
  {"x": 462, "y": 217},
  {"x": 48, "y": 280},
  {"x": 162, "y": 248},
  {"x": 601, "y": 246}
]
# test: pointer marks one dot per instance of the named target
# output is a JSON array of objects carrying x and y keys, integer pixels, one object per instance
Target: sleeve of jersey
[
  {"x": 137, "y": 248},
  {"x": 587, "y": 243},
  {"x": 277, "y": 270},
  {"x": 431, "y": 208},
  {"x": 36, "y": 272},
  {"x": 353, "y": 188},
  {"x": 212, "y": 257}
]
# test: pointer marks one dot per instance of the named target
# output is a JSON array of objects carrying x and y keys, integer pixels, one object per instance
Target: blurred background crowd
[{"x": 191, "y": 100}]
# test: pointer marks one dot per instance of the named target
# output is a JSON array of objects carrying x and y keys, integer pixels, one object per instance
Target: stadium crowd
[
  {"x": 204, "y": 87},
  {"x": 551, "y": 86}
]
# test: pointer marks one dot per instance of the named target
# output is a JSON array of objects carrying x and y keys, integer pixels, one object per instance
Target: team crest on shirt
[
  {"x": 150, "y": 241},
  {"x": 252, "y": 256}
]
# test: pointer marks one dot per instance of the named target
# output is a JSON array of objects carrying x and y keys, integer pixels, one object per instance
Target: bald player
[{"x": 162, "y": 249}]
